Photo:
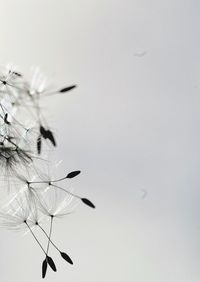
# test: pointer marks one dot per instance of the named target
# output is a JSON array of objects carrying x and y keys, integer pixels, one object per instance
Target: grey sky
[{"x": 131, "y": 126}]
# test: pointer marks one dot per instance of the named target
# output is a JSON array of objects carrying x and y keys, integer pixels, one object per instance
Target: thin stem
[
  {"x": 66, "y": 191},
  {"x": 50, "y": 232},
  {"x": 39, "y": 182},
  {"x": 46, "y": 94},
  {"x": 47, "y": 236},
  {"x": 57, "y": 180},
  {"x": 51, "y": 181},
  {"x": 35, "y": 238}
]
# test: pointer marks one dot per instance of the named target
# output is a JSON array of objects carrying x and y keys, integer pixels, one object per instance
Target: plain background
[{"x": 132, "y": 127}]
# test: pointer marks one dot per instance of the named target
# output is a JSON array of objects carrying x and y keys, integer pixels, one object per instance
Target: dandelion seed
[
  {"x": 48, "y": 259},
  {"x": 66, "y": 89},
  {"x": 18, "y": 216},
  {"x": 44, "y": 268},
  {"x": 88, "y": 202},
  {"x": 51, "y": 263},
  {"x": 52, "y": 204},
  {"x": 39, "y": 144},
  {"x": 49, "y": 180},
  {"x": 47, "y": 134},
  {"x": 73, "y": 174},
  {"x": 17, "y": 74},
  {"x": 6, "y": 119},
  {"x": 66, "y": 257},
  {"x": 69, "y": 175},
  {"x": 63, "y": 254},
  {"x": 51, "y": 211}
]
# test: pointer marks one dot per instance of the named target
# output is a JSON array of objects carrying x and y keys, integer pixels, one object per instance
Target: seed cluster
[{"x": 32, "y": 195}]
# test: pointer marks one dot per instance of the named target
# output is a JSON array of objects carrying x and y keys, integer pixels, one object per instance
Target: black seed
[
  {"x": 63, "y": 90},
  {"x": 39, "y": 144},
  {"x": 66, "y": 257},
  {"x": 17, "y": 73},
  {"x": 73, "y": 174},
  {"x": 43, "y": 131},
  {"x": 51, "y": 263},
  {"x": 44, "y": 268},
  {"x": 6, "y": 119},
  {"x": 88, "y": 203},
  {"x": 49, "y": 135}
]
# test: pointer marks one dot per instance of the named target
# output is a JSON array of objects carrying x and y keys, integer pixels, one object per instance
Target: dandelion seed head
[{"x": 27, "y": 180}]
